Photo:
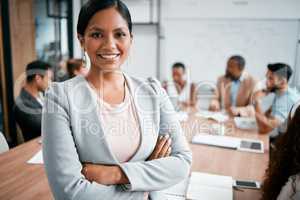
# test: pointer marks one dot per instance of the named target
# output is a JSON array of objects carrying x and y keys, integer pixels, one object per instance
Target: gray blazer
[{"x": 72, "y": 134}]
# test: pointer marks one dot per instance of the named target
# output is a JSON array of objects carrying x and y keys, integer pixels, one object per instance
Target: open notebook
[
  {"x": 201, "y": 186},
  {"x": 204, "y": 186},
  {"x": 255, "y": 146}
]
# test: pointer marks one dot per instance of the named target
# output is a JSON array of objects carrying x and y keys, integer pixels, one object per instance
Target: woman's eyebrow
[
  {"x": 120, "y": 29},
  {"x": 95, "y": 28}
]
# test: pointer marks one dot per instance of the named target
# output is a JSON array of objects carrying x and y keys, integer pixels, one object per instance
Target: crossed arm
[{"x": 113, "y": 175}]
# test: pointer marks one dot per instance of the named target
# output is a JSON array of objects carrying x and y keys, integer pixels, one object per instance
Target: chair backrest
[
  {"x": 205, "y": 93},
  {"x": 3, "y": 144}
]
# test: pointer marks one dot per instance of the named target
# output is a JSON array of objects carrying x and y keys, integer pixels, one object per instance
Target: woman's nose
[{"x": 109, "y": 42}]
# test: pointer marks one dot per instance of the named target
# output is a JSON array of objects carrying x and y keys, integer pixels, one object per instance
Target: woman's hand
[
  {"x": 162, "y": 148},
  {"x": 103, "y": 174},
  {"x": 113, "y": 175}
]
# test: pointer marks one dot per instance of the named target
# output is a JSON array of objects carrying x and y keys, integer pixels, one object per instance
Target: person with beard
[
  {"x": 234, "y": 89},
  {"x": 29, "y": 104},
  {"x": 278, "y": 76}
]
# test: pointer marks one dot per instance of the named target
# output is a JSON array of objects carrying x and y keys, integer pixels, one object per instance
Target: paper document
[
  {"x": 37, "y": 158},
  {"x": 249, "y": 145},
  {"x": 204, "y": 186},
  {"x": 217, "y": 116},
  {"x": 246, "y": 123},
  {"x": 215, "y": 140},
  {"x": 182, "y": 116}
]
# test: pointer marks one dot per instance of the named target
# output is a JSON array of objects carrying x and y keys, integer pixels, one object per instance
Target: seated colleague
[
  {"x": 282, "y": 180},
  {"x": 180, "y": 88},
  {"x": 234, "y": 89},
  {"x": 28, "y": 107},
  {"x": 96, "y": 144},
  {"x": 76, "y": 67},
  {"x": 277, "y": 76}
]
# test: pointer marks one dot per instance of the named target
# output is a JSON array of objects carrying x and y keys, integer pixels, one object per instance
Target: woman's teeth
[{"x": 108, "y": 56}]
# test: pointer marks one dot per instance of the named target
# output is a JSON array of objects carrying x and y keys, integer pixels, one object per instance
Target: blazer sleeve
[
  {"x": 164, "y": 172},
  {"x": 61, "y": 159}
]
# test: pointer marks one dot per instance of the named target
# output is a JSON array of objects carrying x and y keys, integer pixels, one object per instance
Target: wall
[
  {"x": 204, "y": 33},
  {"x": 240, "y": 9},
  {"x": 22, "y": 29},
  {"x": 181, "y": 20}
]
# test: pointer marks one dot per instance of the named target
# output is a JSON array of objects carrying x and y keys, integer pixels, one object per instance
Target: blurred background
[{"x": 202, "y": 34}]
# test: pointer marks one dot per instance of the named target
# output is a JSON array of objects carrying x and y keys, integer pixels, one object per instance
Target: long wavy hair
[{"x": 285, "y": 160}]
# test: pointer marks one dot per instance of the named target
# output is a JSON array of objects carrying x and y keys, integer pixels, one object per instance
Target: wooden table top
[
  {"x": 221, "y": 161},
  {"x": 19, "y": 180}
]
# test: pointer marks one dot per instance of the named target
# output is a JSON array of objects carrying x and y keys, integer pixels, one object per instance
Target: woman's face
[{"x": 107, "y": 40}]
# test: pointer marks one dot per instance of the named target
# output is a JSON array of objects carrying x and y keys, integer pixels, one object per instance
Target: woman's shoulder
[
  {"x": 288, "y": 192},
  {"x": 151, "y": 83},
  {"x": 66, "y": 85}
]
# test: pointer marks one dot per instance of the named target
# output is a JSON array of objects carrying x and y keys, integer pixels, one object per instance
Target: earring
[{"x": 84, "y": 59}]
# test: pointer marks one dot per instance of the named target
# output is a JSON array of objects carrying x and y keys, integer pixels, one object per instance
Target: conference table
[{"x": 19, "y": 180}]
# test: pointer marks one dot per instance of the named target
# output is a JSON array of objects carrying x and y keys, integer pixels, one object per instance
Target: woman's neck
[{"x": 101, "y": 79}]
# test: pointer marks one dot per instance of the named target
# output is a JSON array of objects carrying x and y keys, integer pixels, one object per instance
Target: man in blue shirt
[{"x": 277, "y": 76}]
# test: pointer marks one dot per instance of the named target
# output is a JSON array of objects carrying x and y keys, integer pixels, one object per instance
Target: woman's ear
[
  {"x": 131, "y": 38},
  {"x": 81, "y": 40}
]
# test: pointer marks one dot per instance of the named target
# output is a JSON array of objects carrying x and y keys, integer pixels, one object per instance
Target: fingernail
[
  {"x": 167, "y": 136},
  {"x": 169, "y": 140}
]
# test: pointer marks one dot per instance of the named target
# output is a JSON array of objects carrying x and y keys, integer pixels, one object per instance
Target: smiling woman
[{"x": 109, "y": 135}]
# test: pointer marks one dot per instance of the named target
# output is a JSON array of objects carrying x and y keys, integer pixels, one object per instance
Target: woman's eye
[
  {"x": 121, "y": 35},
  {"x": 96, "y": 35}
]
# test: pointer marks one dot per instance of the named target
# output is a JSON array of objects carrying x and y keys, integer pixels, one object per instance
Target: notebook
[
  {"x": 255, "y": 146},
  {"x": 245, "y": 123},
  {"x": 217, "y": 116},
  {"x": 204, "y": 186},
  {"x": 182, "y": 116},
  {"x": 37, "y": 158}
]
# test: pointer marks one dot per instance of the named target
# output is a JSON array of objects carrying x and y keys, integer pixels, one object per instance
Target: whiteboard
[
  {"x": 204, "y": 45},
  {"x": 142, "y": 60}
]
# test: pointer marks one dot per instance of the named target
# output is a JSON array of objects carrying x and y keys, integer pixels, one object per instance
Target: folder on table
[{"x": 241, "y": 144}]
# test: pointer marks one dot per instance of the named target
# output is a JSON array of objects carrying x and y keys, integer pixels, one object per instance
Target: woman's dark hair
[
  {"x": 91, "y": 7},
  {"x": 285, "y": 160}
]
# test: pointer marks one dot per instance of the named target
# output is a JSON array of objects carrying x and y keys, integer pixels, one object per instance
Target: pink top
[{"x": 121, "y": 127}]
